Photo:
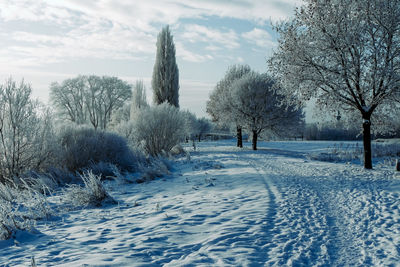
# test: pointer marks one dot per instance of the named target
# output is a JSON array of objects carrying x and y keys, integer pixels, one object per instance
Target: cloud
[
  {"x": 189, "y": 56},
  {"x": 124, "y": 29},
  {"x": 143, "y": 14},
  {"x": 260, "y": 38},
  {"x": 196, "y": 33},
  {"x": 93, "y": 40}
]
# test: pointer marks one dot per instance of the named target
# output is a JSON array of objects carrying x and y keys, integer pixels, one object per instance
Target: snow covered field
[{"x": 229, "y": 206}]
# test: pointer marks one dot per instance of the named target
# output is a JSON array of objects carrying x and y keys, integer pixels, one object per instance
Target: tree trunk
[
  {"x": 255, "y": 135},
  {"x": 239, "y": 136},
  {"x": 367, "y": 141},
  {"x": 199, "y": 138}
]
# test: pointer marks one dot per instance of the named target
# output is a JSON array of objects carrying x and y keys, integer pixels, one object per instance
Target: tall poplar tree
[{"x": 165, "y": 80}]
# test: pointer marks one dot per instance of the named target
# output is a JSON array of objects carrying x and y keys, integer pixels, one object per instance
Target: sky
[{"x": 50, "y": 41}]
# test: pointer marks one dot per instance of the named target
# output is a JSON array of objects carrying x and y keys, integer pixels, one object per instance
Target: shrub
[
  {"x": 85, "y": 147},
  {"x": 158, "y": 129},
  {"x": 91, "y": 194},
  {"x": 26, "y": 132},
  {"x": 11, "y": 222},
  {"x": 156, "y": 167},
  {"x": 20, "y": 206}
]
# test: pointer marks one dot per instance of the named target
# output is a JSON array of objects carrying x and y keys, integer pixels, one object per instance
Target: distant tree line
[{"x": 331, "y": 131}]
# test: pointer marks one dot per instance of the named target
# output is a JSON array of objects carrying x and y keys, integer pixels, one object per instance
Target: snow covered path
[
  {"x": 330, "y": 214},
  {"x": 230, "y": 207}
]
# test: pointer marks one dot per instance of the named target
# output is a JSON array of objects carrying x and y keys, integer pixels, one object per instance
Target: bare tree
[
  {"x": 344, "y": 53},
  {"x": 165, "y": 80},
  {"x": 89, "y": 99},
  {"x": 68, "y": 99},
  {"x": 94, "y": 97},
  {"x": 115, "y": 93}
]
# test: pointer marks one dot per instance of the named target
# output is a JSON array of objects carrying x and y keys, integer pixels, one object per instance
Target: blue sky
[{"x": 47, "y": 41}]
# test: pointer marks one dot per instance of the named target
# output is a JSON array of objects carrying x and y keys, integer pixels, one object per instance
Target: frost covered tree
[
  {"x": 165, "y": 81},
  {"x": 93, "y": 100},
  {"x": 190, "y": 125},
  {"x": 130, "y": 110},
  {"x": 25, "y": 131},
  {"x": 89, "y": 99},
  {"x": 219, "y": 105},
  {"x": 68, "y": 98},
  {"x": 139, "y": 98},
  {"x": 344, "y": 53},
  {"x": 115, "y": 92},
  {"x": 259, "y": 107},
  {"x": 203, "y": 126}
]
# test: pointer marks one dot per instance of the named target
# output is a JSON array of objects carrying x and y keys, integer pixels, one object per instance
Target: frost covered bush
[
  {"x": 11, "y": 222},
  {"x": 27, "y": 139},
  {"x": 20, "y": 206},
  {"x": 127, "y": 130},
  {"x": 92, "y": 193},
  {"x": 158, "y": 129},
  {"x": 84, "y": 148},
  {"x": 39, "y": 182},
  {"x": 156, "y": 167}
]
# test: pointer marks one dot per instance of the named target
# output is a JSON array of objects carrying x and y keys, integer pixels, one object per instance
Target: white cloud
[
  {"x": 111, "y": 41},
  {"x": 212, "y": 48},
  {"x": 125, "y": 28},
  {"x": 143, "y": 14},
  {"x": 189, "y": 56},
  {"x": 260, "y": 38},
  {"x": 196, "y": 33}
]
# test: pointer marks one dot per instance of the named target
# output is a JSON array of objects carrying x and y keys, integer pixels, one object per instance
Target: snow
[{"x": 229, "y": 206}]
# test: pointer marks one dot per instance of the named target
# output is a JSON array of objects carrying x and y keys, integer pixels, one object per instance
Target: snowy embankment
[{"x": 231, "y": 207}]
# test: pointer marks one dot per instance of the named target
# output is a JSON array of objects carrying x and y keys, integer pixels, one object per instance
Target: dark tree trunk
[
  {"x": 199, "y": 138},
  {"x": 367, "y": 141},
  {"x": 239, "y": 136},
  {"x": 255, "y": 135}
]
